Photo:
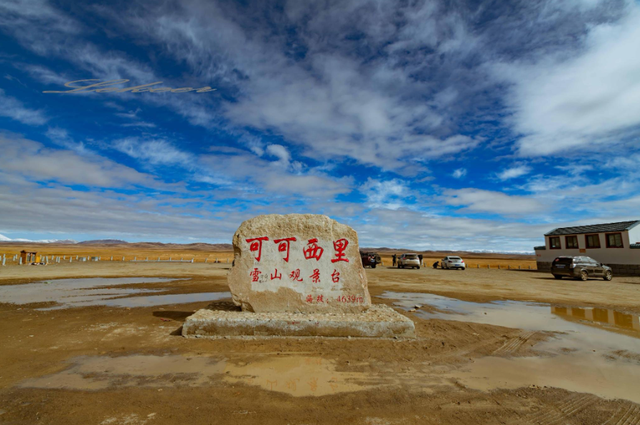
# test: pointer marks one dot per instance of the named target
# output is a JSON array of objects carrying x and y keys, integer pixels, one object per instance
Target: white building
[{"x": 615, "y": 244}]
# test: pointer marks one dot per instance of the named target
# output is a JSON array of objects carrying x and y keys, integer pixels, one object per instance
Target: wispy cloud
[
  {"x": 13, "y": 108},
  {"x": 514, "y": 172}
]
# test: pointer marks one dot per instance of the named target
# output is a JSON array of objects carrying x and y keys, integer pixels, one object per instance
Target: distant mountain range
[
  {"x": 228, "y": 247},
  {"x": 103, "y": 242}
]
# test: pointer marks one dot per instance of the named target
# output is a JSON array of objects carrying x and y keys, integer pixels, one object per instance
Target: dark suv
[
  {"x": 580, "y": 268},
  {"x": 370, "y": 259}
]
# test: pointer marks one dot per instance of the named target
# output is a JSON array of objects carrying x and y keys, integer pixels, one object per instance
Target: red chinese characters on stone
[
  {"x": 255, "y": 244},
  {"x": 340, "y": 246},
  {"x": 284, "y": 246},
  {"x": 276, "y": 275},
  {"x": 317, "y": 299},
  {"x": 335, "y": 276},
  {"x": 295, "y": 275},
  {"x": 255, "y": 274},
  {"x": 315, "y": 277},
  {"x": 313, "y": 250},
  {"x": 350, "y": 299}
]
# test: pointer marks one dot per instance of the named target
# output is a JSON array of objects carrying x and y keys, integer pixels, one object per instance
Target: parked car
[
  {"x": 409, "y": 260},
  {"x": 453, "y": 262},
  {"x": 371, "y": 259},
  {"x": 580, "y": 268}
]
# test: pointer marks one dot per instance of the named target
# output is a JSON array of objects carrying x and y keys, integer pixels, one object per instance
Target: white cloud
[
  {"x": 15, "y": 109},
  {"x": 485, "y": 201},
  {"x": 154, "y": 151},
  {"x": 387, "y": 194},
  {"x": 581, "y": 100},
  {"x": 459, "y": 173},
  {"x": 514, "y": 172},
  {"x": 35, "y": 162}
]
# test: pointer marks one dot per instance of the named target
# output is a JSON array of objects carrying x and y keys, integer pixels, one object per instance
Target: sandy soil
[{"x": 74, "y": 366}]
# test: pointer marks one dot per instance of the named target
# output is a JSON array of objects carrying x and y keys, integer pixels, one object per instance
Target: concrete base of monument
[{"x": 380, "y": 321}]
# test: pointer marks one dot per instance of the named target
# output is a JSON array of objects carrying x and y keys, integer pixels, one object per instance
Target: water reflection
[{"x": 599, "y": 316}]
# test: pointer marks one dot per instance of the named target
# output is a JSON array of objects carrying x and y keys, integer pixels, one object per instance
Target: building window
[
  {"x": 593, "y": 241},
  {"x": 614, "y": 240},
  {"x": 554, "y": 242},
  {"x": 571, "y": 242}
]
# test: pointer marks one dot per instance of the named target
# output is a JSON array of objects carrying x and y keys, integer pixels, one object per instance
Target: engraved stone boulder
[{"x": 299, "y": 263}]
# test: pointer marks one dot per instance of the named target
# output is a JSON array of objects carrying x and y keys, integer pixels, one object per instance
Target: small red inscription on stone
[
  {"x": 295, "y": 275},
  {"x": 315, "y": 277},
  {"x": 255, "y": 274},
  {"x": 335, "y": 276},
  {"x": 276, "y": 275}
]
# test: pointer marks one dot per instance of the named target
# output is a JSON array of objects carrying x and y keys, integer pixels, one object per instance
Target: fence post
[
  {"x": 192, "y": 260},
  {"x": 3, "y": 259},
  {"x": 158, "y": 258}
]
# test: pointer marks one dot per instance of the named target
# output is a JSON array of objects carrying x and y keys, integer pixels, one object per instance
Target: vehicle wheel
[
  {"x": 557, "y": 276},
  {"x": 418, "y": 267},
  {"x": 373, "y": 266},
  {"x": 583, "y": 275},
  {"x": 607, "y": 275}
]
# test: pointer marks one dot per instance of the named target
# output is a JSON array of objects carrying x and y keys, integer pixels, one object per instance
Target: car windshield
[
  {"x": 455, "y": 258},
  {"x": 411, "y": 256}
]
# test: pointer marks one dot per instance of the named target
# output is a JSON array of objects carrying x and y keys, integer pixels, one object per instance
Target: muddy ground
[{"x": 129, "y": 365}]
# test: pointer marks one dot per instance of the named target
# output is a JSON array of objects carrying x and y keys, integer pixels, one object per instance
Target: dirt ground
[{"x": 113, "y": 365}]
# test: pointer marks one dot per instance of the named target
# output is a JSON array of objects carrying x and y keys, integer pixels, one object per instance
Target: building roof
[{"x": 594, "y": 228}]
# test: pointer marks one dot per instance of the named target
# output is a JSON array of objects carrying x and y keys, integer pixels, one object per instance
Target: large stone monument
[
  {"x": 298, "y": 263},
  {"x": 298, "y": 275}
]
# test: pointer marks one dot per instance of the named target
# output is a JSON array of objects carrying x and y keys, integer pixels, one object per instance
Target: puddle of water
[
  {"x": 298, "y": 376},
  {"x": 582, "y": 373},
  {"x": 69, "y": 293},
  {"x": 597, "y": 351},
  {"x": 295, "y": 375},
  {"x": 102, "y": 372},
  {"x": 155, "y": 300}
]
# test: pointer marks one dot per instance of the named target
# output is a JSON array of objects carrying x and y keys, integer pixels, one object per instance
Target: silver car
[
  {"x": 453, "y": 262},
  {"x": 409, "y": 260}
]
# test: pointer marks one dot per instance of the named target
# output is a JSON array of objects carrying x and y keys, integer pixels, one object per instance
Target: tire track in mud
[
  {"x": 563, "y": 411},
  {"x": 628, "y": 416},
  {"x": 514, "y": 344}
]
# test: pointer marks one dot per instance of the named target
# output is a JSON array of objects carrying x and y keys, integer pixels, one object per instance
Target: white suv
[
  {"x": 452, "y": 262},
  {"x": 409, "y": 260}
]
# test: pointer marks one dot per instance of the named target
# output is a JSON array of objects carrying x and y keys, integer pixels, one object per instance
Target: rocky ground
[{"x": 129, "y": 365}]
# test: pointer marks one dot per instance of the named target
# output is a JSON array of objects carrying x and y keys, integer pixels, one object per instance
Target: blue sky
[{"x": 425, "y": 125}]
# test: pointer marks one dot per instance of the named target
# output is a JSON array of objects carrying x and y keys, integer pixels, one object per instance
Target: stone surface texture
[
  {"x": 319, "y": 270},
  {"x": 379, "y": 321}
]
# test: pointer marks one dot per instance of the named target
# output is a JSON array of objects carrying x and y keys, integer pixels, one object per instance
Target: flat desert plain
[{"x": 99, "y": 343}]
